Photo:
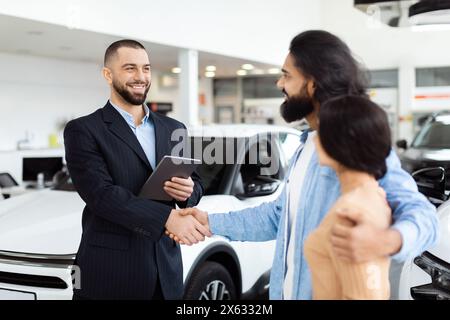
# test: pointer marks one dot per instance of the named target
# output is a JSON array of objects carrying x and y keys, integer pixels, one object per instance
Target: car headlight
[{"x": 439, "y": 271}]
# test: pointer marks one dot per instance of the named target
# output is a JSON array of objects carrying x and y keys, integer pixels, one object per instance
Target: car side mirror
[
  {"x": 402, "y": 144},
  {"x": 261, "y": 186},
  {"x": 421, "y": 121},
  {"x": 432, "y": 182}
]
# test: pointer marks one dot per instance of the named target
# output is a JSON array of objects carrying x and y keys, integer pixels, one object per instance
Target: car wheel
[{"x": 210, "y": 281}]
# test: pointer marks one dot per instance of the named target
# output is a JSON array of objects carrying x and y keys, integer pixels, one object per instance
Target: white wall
[
  {"x": 37, "y": 93},
  {"x": 251, "y": 29}
]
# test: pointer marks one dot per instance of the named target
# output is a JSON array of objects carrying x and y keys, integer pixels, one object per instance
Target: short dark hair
[
  {"x": 325, "y": 59},
  {"x": 113, "y": 47},
  {"x": 355, "y": 131}
]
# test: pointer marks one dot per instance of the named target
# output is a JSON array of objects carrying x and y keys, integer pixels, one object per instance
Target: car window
[
  {"x": 261, "y": 171},
  {"x": 212, "y": 176},
  {"x": 434, "y": 135},
  {"x": 212, "y": 173},
  {"x": 252, "y": 164},
  {"x": 65, "y": 184}
]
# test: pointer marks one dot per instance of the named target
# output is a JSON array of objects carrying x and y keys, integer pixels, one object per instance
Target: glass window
[
  {"x": 434, "y": 135},
  {"x": 383, "y": 78},
  {"x": 215, "y": 166},
  {"x": 260, "y": 87},
  {"x": 433, "y": 77},
  {"x": 225, "y": 87}
]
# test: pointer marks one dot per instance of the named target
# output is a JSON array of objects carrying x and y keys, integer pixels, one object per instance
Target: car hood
[
  {"x": 41, "y": 222},
  {"x": 416, "y": 154},
  {"x": 49, "y": 221}
]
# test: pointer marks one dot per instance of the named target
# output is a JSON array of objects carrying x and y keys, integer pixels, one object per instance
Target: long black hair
[
  {"x": 355, "y": 131},
  {"x": 328, "y": 61}
]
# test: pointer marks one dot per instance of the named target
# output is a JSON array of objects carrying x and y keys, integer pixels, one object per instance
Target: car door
[
  {"x": 276, "y": 149},
  {"x": 257, "y": 257}
]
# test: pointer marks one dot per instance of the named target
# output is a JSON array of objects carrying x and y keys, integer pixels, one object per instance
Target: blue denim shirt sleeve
[
  {"x": 251, "y": 224},
  {"x": 413, "y": 215}
]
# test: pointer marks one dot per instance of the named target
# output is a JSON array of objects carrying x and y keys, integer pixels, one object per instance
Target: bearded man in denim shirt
[{"x": 320, "y": 66}]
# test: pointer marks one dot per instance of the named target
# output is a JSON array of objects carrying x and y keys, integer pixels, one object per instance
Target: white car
[
  {"x": 427, "y": 277},
  {"x": 40, "y": 231}
]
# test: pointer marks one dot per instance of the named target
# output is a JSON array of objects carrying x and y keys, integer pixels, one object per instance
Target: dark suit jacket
[{"x": 123, "y": 247}]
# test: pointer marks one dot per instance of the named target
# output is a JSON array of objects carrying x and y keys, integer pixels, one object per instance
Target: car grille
[{"x": 32, "y": 280}]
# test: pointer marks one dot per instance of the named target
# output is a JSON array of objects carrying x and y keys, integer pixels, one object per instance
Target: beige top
[{"x": 333, "y": 278}]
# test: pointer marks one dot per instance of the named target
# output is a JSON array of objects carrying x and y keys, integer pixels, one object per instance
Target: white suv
[
  {"x": 427, "y": 277},
  {"x": 40, "y": 231}
]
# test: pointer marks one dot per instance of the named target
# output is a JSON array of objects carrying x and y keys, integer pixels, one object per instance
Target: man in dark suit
[{"x": 124, "y": 253}]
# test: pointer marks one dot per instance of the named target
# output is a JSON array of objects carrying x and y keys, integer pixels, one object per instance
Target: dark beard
[
  {"x": 296, "y": 107},
  {"x": 128, "y": 96}
]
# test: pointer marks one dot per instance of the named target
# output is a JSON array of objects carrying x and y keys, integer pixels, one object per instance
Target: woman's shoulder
[{"x": 369, "y": 198}]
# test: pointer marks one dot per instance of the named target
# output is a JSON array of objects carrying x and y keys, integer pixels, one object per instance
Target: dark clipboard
[{"x": 166, "y": 169}]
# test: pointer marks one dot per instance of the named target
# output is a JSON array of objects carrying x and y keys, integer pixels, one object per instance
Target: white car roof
[{"x": 238, "y": 130}]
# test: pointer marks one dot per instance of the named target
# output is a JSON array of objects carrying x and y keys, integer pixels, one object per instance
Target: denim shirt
[{"x": 413, "y": 216}]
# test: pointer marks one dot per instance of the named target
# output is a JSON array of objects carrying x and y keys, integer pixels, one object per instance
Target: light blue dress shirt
[{"x": 145, "y": 132}]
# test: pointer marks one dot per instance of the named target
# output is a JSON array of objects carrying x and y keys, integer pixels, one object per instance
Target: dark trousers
[{"x": 157, "y": 295}]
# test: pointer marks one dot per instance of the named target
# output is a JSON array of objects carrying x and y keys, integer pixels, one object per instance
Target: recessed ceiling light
[
  {"x": 210, "y": 74},
  {"x": 247, "y": 66},
  {"x": 176, "y": 70},
  {"x": 257, "y": 71},
  {"x": 35, "y": 33},
  {"x": 241, "y": 73},
  {"x": 273, "y": 71},
  {"x": 210, "y": 68}
]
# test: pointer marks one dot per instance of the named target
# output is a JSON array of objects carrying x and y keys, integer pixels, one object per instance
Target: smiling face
[
  {"x": 298, "y": 91},
  {"x": 129, "y": 76}
]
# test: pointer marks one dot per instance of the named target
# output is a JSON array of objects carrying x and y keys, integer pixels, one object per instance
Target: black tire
[{"x": 210, "y": 281}]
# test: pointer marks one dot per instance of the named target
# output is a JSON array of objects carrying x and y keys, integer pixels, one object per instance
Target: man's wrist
[
  {"x": 392, "y": 243},
  {"x": 169, "y": 217}
]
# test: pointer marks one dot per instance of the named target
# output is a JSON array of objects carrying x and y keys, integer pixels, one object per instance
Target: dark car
[{"x": 431, "y": 146}]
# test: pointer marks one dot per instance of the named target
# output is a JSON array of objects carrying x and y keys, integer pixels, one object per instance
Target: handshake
[{"x": 188, "y": 226}]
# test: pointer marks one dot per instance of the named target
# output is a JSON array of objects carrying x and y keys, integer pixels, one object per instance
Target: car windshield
[
  {"x": 435, "y": 135},
  {"x": 213, "y": 172},
  {"x": 64, "y": 184}
]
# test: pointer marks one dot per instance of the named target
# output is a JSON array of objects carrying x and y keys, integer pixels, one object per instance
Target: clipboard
[{"x": 166, "y": 169}]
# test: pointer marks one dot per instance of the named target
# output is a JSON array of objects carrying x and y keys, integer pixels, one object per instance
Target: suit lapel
[
  {"x": 161, "y": 138},
  {"x": 121, "y": 129}
]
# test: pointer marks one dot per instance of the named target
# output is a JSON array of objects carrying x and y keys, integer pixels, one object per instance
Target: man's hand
[
  {"x": 186, "y": 228},
  {"x": 200, "y": 216},
  {"x": 356, "y": 240},
  {"x": 178, "y": 188}
]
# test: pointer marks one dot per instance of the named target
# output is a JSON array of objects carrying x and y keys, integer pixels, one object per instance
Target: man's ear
[
  {"x": 107, "y": 74},
  {"x": 311, "y": 88}
]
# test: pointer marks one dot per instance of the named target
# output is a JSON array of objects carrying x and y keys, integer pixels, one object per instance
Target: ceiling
[
  {"x": 29, "y": 37},
  {"x": 407, "y": 13}
]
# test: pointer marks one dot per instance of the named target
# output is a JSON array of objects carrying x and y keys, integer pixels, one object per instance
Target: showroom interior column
[
  {"x": 406, "y": 87},
  {"x": 188, "y": 86}
]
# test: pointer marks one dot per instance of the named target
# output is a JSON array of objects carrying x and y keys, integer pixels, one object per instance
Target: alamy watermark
[{"x": 259, "y": 150}]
